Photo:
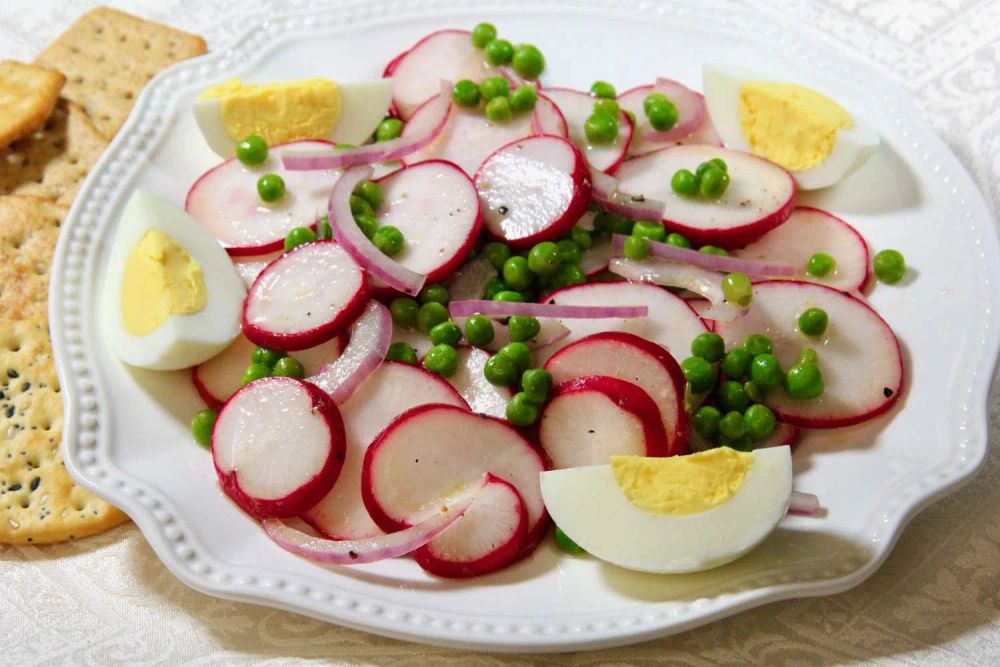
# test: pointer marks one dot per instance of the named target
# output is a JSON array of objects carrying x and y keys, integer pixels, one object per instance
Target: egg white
[
  {"x": 851, "y": 148},
  {"x": 182, "y": 340},
  {"x": 589, "y": 506}
]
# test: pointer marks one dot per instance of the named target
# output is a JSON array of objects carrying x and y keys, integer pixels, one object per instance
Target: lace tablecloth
[{"x": 108, "y": 600}]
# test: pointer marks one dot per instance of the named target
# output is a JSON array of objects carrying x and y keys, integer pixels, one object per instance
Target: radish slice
[
  {"x": 704, "y": 283},
  {"x": 418, "y": 340},
  {"x": 221, "y": 376},
  {"x": 576, "y": 107},
  {"x": 706, "y": 135},
  {"x": 589, "y": 419},
  {"x": 548, "y": 119},
  {"x": 482, "y": 396},
  {"x": 470, "y": 281},
  {"x": 250, "y": 266},
  {"x": 722, "y": 263},
  {"x": 760, "y": 195},
  {"x": 508, "y": 308},
  {"x": 691, "y": 111},
  {"x": 634, "y": 206},
  {"x": 692, "y": 118},
  {"x": 803, "y": 503},
  {"x": 628, "y": 357},
  {"x": 350, "y": 236},
  {"x": 369, "y": 550},
  {"x": 859, "y": 355},
  {"x": 305, "y": 297},
  {"x": 391, "y": 390},
  {"x": 807, "y": 232},
  {"x": 533, "y": 190},
  {"x": 225, "y": 201},
  {"x": 370, "y": 337},
  {"x": 263, "y": 470},
  {"x": 594, "y": 259}
]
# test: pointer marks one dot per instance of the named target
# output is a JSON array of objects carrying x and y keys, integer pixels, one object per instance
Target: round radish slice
[
  {"x": 589, "y": 419},
  {"x": 595, "y": 258},
  {"x": 635, "y": 360},
  {"x": 433, "y": 448},
  {"x": 859, "y": 355},
  {"x": 278, "y": 446},
  {"x": 671, "y": 323},
  {"x": 809, "y": 231},
  {"x": 533, "y": 190},
  {"x": 486, "y": 538},
  {"x": 250, "y": 266},
  {"x": 706, "y": 135},
  {"x": 576, "y": 107},
  {"x": 482, "y": 396},
  {"x": 221, "y": 376},
  {"x": 759, "y": 197},
  {"x": 305, "y": 297},
  {"x": 548, "y": 119},
  {"x": 691, "y": 115},
  {"x": 388, "y": 392},
  {"x": 225, "y": 201}
]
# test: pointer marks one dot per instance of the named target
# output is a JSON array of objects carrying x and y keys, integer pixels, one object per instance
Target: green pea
[
  {"x": 569, "y": 274},
  {"x": 521, "y": 410},
  {"x": 479, "y": 330},
  {"x": 404, "y": 311},
  {"x": 299, "y": 236},
  {"x": 500, "y": 370},
  {"x": 699, "y": 373},
  {"x": 649, "y": 229},
  {"x": 436, "y": 292},
  {"x": 808, "y": 356},
  {"x": 499, "y": 52},
  {"x": 509, "y": 296},
  {"x": 516, "y": 272},
  {"x": 820, "y": 265},
  {"x": 389, "y": 240},
  {"x": 713, "y": 183},
  {"x": 254, "y": 372},
  {"x": 569, "y": 252},
  {"x": 804, "y": 381},
  {"x": 430, "y": 315},
  {"x": 483, "y": 34},
  {"x": 662, "y": 115},
  {"x": 753, "y": 391},
  {"x": 813, "y": 322},
  {"x": 760, "y": 422},
  {"x": 678, "y": 241},
  {"x": 737, "y": 289},
  {"x": 544, "y": 258},
  {"x": 519, "y": 353},
  {"x": 323, "y": 229},
  {"x": 708, "y": 346},
  {"x": 446, "y": 333},
  {"x": 494, "y": 86},
  {"x": 636, "y": 248},
  {"x": 889, "y": 266},
  {"x": 732, "y": 396},
  {"x": 609, "y": 107},
  {"x": 266, "y": 357},
  {"x": 718, "y": 163},
  {"x": 757, "y": 344},
  {"x": 706, "y": 422},
  {"x": 498, "y": 110},
  {"x": 403, "y": 352},
  {"x": 603, "y": 89},
  {"x": 523, "y": 98},
  {"x": 441, "y": 359},
  {"x": 581, "y": 237},
  {"x": 765, "y": 371},
  {"x": 600, "y": 128},
  {"x": 732, "y": 425},
  {"x": 736, "y": 363},
  {"x": 684, "y": 183},
  {"x": 528, "y": 61},
  {"x": 252, "y": 150},
  {"x": 465, "y": 93},
  {"x": 367, "y": 224},
  {"x": 494, "y": 287},
  {"x": 388, "y": 129},
  {"x": 744, "y": 443},
  {"x": 289, "y": 367},
  {"x": 523, "y": 327},
  {"x": 271, "y": 187},
  {"x": 713, "y": 250},
  {"x": 566, "y": 544},
  {"x": 201, "y": 427},
  {"x": 496, "y": 254},
  {"x": 536, "y": 383},
  {"x": 652, "y": 99},
  {"x": 370, "y": 192},
  {"x": 360, "y": 206}
]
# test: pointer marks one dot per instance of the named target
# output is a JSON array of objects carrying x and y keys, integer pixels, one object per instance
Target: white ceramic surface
[{"x": 126, "y": 431}]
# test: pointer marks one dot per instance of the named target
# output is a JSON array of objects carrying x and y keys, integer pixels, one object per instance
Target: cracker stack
[{"x": 56, "y": 117}]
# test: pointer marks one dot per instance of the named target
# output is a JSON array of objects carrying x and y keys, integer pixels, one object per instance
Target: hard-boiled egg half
[
  {"x": 814, "y": 138},
  {"x": 171, "y": 297},
  {"x": 672, "y": 514},
  {"x": 291, "y": 110}
]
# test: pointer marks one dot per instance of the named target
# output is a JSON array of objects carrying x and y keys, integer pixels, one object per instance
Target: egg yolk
[
  {"x": 160, "y": 279},
  {"x": 278, "y": 112},
  {"x": 790, "y": 125},
  {"x": 682, "y": 484}
]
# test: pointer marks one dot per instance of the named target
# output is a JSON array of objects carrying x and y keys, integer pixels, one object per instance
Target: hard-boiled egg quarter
[
  {"x": 171, "y": 296},
  {"x": 817, "y": 140},
  {"x": 672, "y": 514}
]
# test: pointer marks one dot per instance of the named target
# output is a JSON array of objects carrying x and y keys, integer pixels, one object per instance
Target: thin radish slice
[
  {"x": 760, "y": 195},
  {"x": 508, "y": 308},
  {"x": 859, "y": 355},
  {"x": 809, "y": 231},
  {"x": 706, "y": 135},
  {"x": 372, "y": 549},
  {"x": 636, "y": 360},
  {"x": 548, "y": 119},
  {"x": 482, "y": 396},
  {"x": 803, "y": 503},
  {"x": 305, "y": 297},
  {"x": 470, "y": 281},
  {"x": 370, "y": 336},
  {"x": 704, "y": 283},
  {"x": 391, "y": 390},
  {"x": 589, "y": 419},
  {"x": 722, "y": 263},
  {"x": 350, "y": 236},
  {"x": 607, "y": 195},
  {"x": 225, "y": 201},
  {"x": 594, "y": 260},
  {"x": 692, "y": 117},
  {"x": 264, "y": 471},
  {"x": 576, "y": 107},
  {"x": 220, "y": 377},
  {"x": 250, "y": 266}
]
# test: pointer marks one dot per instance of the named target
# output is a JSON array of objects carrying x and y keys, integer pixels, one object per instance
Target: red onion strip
[
  {"x": 370, "y": 339},
  {"x": 804, "y": 503},
  {"x": 720, "y": 263},
  {"x": 508, "y": 308},
  {"x": 702, "y": 282}
]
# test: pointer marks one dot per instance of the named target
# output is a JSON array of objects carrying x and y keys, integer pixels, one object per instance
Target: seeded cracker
[
  {"x": 28, "y": 93},
  {"x": 29, "y": 228},
  {"x": 108, "y": 56}
]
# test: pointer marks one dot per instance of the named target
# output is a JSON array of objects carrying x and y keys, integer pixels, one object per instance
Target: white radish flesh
[
  {"x": 576, "y": 107},
  {"x": 483, "y": 396},
  {"x": 691, "y": 115},
  {"x": 594, "y": 260},
  {"x": 250, "y": 266}
]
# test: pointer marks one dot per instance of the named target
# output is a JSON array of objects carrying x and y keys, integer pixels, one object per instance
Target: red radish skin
[
  {"x": 533, "y": 190},
  {"x": 304, "y": 298},
  {"x": 225, "y": 201},
  {"x": 548, "y": 119},
  {"x": 760, "y": 196},
  {"x": 576, "y": 106},
  {"x": 252, "y": 430},
  {"x": 635, "y": 360},
  {"x": 588, "y": 419}
]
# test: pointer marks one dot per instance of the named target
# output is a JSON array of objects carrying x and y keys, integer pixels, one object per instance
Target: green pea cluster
[
  {"x": 428, "y": 313},
  {"x": 494, "y": 93},
  {"x": 511, "y": 366},
  {"x": 547, "y": 265},
  {"x": 252, "y": 151},
  {"x": 601, "y": 127},
  {"x": 526, "y": 59},
  {"x": 661, "y": 111},
  {"x": 709, "y": 181}
]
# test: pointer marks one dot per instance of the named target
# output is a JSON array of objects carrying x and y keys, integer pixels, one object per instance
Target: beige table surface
[{"x": 936, "y": 601}]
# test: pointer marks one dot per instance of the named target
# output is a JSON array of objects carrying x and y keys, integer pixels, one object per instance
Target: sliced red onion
[
  {"x": 471, "y": 279},
  {"x": 364, "y": 252},
  {"x": 804, "y": 503},
  {"x": 437, "y": 112},
  {"x": 508, "y": 308},
  {"x": 690, "y": 111},
  {"x": 703, "y": 282},
  {"x": 610, "y": 198},
  {"x": 722, "y": 263},
  {"x": 370, "y": 339},
  {"x": 356, "y": 552}
]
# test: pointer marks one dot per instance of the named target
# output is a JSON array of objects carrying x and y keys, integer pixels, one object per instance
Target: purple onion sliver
[
  {"x": 370, "y": 339},
  {"x": 724, "y": 264},
  {"x": 506, "y": 309},
  {"x": 804, "y": 503}
]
